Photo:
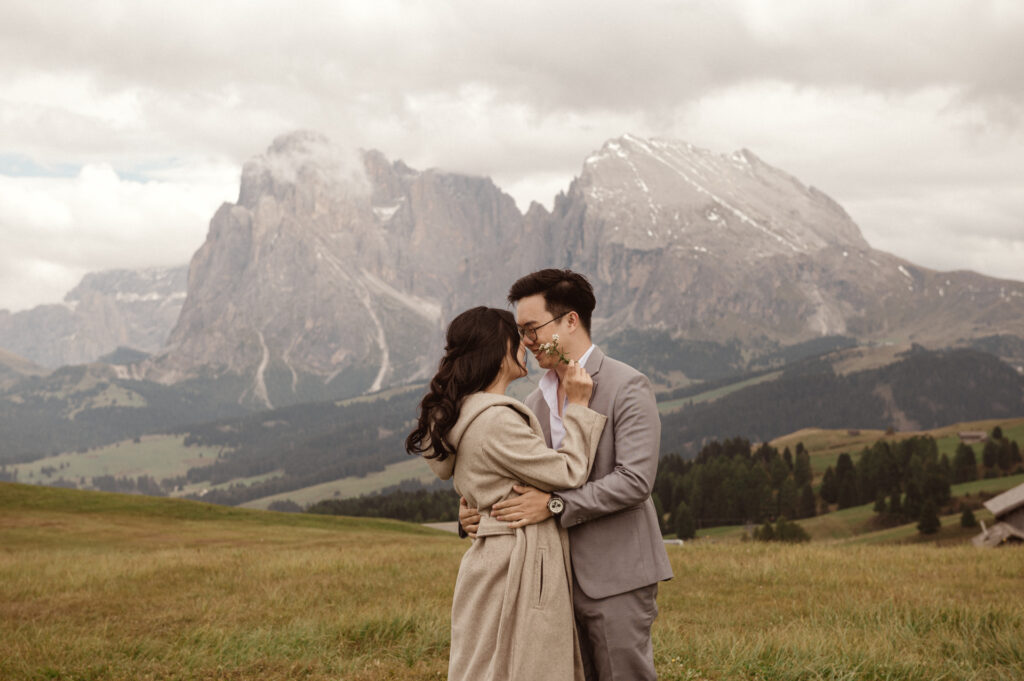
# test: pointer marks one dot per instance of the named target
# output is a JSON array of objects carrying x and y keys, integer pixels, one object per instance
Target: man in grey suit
[{"x": 618, "y": 556}]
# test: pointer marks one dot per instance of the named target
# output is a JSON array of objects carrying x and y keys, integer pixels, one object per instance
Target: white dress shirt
[{"x": 549, "y": 389}]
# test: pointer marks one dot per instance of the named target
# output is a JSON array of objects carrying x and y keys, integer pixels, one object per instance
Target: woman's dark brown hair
[{"x": 477, "y": 343}]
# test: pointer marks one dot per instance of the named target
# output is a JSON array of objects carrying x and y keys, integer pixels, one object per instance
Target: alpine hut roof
[{"x": 1006, "y": 502}]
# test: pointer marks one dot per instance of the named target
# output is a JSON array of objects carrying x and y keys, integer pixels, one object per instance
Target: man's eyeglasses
[{"x": 531, "y": 332}]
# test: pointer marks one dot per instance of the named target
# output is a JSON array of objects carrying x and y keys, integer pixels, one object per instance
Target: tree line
[{"x": 731, "y": 482}]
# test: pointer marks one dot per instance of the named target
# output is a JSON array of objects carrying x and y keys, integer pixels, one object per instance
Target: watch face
[{"x": 556, "y": 505}]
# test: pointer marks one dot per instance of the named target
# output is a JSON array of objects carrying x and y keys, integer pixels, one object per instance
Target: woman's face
[{"x": 515, "y": 361}]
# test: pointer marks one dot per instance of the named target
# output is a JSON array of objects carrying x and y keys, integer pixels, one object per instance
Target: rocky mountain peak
[
  {"x": 306, "y": 161},
  {"x": 334, "y": 273},
  {"x": 165, "y": 285},
  {"x": 656, "y": 194},
  {"x": 106, "y": 310}
]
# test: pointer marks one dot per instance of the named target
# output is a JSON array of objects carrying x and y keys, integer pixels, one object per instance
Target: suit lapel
[{"x": 593, "y": 367}]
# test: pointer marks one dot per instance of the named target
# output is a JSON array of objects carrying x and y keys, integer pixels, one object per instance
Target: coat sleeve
[
  {"x": 637, "y": 442},
  {"x": 516, "y": 448}
]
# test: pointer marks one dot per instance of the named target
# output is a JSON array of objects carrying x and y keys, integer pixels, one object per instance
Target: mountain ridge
[
  {"x": 334, "y": 272},
  {"x": 121, "y": 307}
]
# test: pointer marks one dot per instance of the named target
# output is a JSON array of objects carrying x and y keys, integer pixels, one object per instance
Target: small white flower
[{"x": 552, "y": 349}]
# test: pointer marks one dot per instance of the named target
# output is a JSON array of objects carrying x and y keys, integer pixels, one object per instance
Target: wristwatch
[{"x": 556, "y": 505}]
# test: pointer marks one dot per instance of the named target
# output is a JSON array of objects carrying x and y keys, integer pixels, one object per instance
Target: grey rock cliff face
[
  {"x": 336, "y": 271},
  {"x": 716, "y": 247},
  {"x": 133, "y": 308}
]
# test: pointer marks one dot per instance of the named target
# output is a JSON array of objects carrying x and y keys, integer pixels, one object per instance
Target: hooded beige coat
[{"x": 512, "y": 616}]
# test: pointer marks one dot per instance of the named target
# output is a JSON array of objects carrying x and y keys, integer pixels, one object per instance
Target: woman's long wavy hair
[{"x": 477, "y": 343}]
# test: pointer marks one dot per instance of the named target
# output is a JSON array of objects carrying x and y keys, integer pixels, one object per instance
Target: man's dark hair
[{"x": 563, "y": 290}]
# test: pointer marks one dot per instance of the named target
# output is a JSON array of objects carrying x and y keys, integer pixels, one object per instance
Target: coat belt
[{"x": 489, "y": 527}]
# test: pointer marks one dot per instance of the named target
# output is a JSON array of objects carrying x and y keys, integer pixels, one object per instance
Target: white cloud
[
  {"x": 885, "y": 106},
  {"x": 57, "y": 229},
  {"x": 975, "y": 228}
]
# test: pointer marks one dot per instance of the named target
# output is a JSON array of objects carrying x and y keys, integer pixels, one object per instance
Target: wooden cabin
[
  {"x": 970, "y": 437},
  {"x": 1008, "y": 509}
]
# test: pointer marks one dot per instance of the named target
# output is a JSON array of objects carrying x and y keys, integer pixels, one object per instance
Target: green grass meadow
[
  {"x": 711, "y": 395},
  {"x": 413, "y": 468},
  {"x": 825, "y": 446},
  {"x": 159, "y": 456},
  {"x": 107, "y": 586},
  {"x": 857, "y": 523}
]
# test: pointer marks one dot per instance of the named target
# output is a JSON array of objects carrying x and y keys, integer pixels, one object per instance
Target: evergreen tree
[
  {"x": 965, "y": 464},
  {"x": 802, "y": 467},
  {"x": 787, "y": 498},
  {"x": 679, "y": 490},
  {"x": 946, "y": 467},
  {"x": 766, "y": 509},
  {"x": 790, "y": 532},
  {"x": 967, "y": 518},
  {"x": 880, "y": 505},
  {"x": 895, "y": 507},
  {"x": 659, "y": 510},
  {"x": 787, "y": 458},
  {"x": 847, "y": 492},
  {"x": 990, "y": 455},
  {"x": 808, "y": 504},
  {"x": 778, "y": 472},
  {"x": 936, "y": 483},
  {"x": 1004, "y": 457},
  {"x": 928, "y": 521},
  {"x": 765, "y": 533},
  {"x": 829, "y": 486},
  {"x": 844, "y": 467},
  {"x": 685, "y": 526},
  {"x": 997, "y": 433}
]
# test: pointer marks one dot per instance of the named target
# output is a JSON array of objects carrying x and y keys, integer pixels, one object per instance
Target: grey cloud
[
  {"x": 553, "y": 58},
  {"x": 524, "y": 91}
]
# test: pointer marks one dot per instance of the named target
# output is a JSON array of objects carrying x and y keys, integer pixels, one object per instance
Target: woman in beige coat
[{"x": 512, "y": 614}]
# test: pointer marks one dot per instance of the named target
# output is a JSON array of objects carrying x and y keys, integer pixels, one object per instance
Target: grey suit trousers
[{"x": 615, "y": 634}]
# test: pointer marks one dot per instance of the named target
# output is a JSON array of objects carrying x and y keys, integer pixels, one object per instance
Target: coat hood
[{"x": 472, "y": 406}]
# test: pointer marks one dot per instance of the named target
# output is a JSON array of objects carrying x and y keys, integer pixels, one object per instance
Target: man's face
[{"x": 531, "y": 313}]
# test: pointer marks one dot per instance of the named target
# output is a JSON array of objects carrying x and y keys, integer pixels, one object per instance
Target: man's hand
[
  {"x": 529, "y": 508},
  {"x": 469, "y": 518}
]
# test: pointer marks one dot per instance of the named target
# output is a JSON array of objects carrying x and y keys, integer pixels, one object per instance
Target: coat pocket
[{"x": 539, "y": 563}]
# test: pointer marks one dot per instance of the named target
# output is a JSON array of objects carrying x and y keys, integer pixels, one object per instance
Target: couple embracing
[{"x": 560, "y": 581}]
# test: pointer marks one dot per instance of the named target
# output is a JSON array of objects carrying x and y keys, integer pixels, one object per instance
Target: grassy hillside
[
  {"x": 923, "y": 390},
  {"x": 159, "y": 456},
  {"x": 825, "y": 445},
  {"x": 103, "y": 586},
  {"x": 15, "y": 367},
  {"x": 668, "y": 406},
  {"x": 354, "y": 486},
  {"x": 76, "y": 408},
  {"x": 858, "y": 524}
]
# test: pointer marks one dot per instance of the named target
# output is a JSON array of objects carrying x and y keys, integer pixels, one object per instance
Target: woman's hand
[
  {"x": 469, "y": 518},
  {"x": 577, "y": 384}
]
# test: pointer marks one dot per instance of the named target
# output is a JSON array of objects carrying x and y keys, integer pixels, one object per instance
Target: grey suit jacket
[{"x": 614, "y": 539}]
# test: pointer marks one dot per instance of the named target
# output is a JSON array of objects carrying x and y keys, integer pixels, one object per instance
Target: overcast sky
[{"x": 124, "y": 124}]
